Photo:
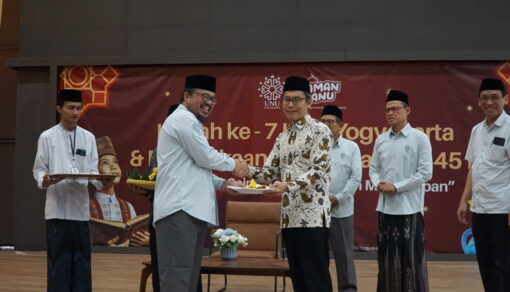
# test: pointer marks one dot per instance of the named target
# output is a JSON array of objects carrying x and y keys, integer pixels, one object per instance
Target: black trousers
[
  {"x": 492, "y": 241},
  {"x": 308, "y": 254},
  {"x": 153, "y": 246},
  {"x": 154, "y": 256},
  {"x": 68, "y": 256}
]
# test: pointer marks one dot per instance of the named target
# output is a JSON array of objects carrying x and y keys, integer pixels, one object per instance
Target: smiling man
[
  {"x": 297, "y": 169},
  {"x": 401, "y": 164},
  {"x": 487, "y": 185},
  {"x": 185, "y": 198}
]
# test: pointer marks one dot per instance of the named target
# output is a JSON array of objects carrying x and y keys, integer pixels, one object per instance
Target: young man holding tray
[{"x": 67, "y": 149}]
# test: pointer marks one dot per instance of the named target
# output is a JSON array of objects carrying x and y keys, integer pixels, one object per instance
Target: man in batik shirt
[{"x": 300, "y": 159}]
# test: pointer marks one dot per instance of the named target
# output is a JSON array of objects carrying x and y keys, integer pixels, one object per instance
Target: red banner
[{"x": 128, "y": 104}]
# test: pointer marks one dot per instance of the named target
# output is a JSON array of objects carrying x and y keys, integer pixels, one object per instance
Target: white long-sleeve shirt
[
  {"x": 345, "y": 176},
  {"x": 69, "y": 198},
  {"x": 111, "y": 208},
  {"x": 405, "y": 160},
  {"x": 185, "y": 163}
]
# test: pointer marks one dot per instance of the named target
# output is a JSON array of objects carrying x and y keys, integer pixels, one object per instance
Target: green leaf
[
  {"x": 135, "y": 174},
  {"x": 144, "y": 175}
]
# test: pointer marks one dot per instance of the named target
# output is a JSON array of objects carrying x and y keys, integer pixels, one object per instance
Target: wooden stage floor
[{"x": 26, "y": 271}]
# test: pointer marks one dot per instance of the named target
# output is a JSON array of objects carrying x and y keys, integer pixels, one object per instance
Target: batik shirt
[{"x": 300, "y": 157}]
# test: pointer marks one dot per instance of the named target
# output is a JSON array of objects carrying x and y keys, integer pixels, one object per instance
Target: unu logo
[
  {"x": 324, "y": 91},
  {"x": 271, "y": 90}
]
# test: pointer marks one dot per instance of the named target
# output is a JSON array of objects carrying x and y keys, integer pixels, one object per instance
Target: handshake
[
  {"x": 241, "y": 171},
  {"x": 241, "y": 168}
]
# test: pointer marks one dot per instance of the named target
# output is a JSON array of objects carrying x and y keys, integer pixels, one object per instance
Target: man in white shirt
[
  {"x": 345, "y": 178},
  {"x": 185, "y": 198},
  {"x": 401, "y": 164},
  {"x": 67, "y": 148},
  {"x": 488, "y": 186}
]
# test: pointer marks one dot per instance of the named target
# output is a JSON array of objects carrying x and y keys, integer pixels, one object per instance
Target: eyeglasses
[
  {"x": 393, "y": 109},
  {"x": 492, "y": 98},
  {"x": 206, "y": 97},
  {"x": 294, "y": 100},
  {"x": 328, "y": 121}
]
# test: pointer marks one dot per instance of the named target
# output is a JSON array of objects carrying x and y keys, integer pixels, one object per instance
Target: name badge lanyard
[{"x": 74, "y": 168}]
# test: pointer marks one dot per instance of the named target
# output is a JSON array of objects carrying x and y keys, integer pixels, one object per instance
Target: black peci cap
[
  {"x": 397, "y": 95},
  {"x": 71, "y": 95},
  {"x": 492, "y": 84},
  {"x": 201, "y": 82},
  {"x": 296, "y": 83},
  {"x": 332, "y": 110}
]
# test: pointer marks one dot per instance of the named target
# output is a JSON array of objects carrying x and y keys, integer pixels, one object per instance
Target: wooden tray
[
  {"x": 83, "y": 175},
  {"x": 145, "y": 184}
]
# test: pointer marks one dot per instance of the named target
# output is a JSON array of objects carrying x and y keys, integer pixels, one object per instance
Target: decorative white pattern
[{"x": 271, "y": 90}]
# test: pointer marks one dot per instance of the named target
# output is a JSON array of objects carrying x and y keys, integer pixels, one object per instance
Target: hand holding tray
[
  {"x": 249, "y": 191},
  {"x": 83, "y": 175}
]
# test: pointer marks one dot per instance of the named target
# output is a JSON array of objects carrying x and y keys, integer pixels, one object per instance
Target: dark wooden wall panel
[{"x": 9, "y": 38}]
